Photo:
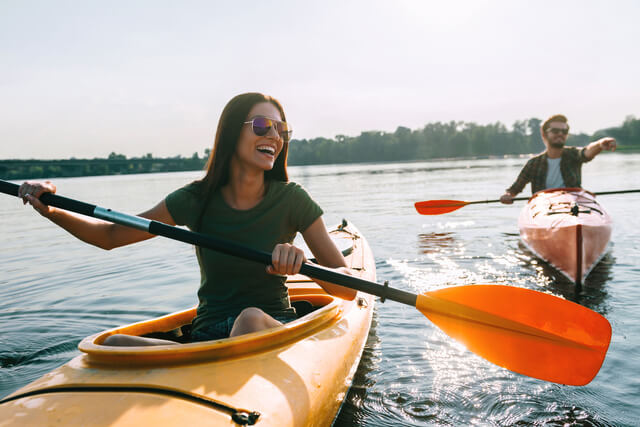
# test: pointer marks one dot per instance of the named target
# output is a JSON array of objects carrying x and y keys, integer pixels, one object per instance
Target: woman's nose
[{"x": 273, "y": 133}]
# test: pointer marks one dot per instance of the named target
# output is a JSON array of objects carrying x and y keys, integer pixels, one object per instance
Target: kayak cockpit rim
[{"x": 330, "y": 310}]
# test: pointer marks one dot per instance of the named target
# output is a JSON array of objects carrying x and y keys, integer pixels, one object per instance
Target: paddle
[
  {"x": 528, "y": 332},
  {"x": 439, "y": 207}
]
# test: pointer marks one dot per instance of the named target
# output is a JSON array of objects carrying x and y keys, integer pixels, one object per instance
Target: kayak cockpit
[
  {"x": 323, "y": 311},
  {"x": 182, "y": 334},
  {"x": 316, "y": 309}
]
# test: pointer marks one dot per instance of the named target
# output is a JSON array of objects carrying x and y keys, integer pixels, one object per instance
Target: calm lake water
[{"x": 55, "y": 290}]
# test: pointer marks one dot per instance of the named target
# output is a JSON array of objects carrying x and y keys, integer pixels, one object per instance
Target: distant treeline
[
  {"x": 446, "y": 140},
  {"x": 435, "y": 140},
  {"x": 115, "y": 164}
]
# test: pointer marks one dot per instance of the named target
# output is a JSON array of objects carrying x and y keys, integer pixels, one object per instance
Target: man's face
[{"x": 556, "y": 134}]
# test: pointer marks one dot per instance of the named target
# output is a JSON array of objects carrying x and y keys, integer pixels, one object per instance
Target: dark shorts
[{"x": 222, "y": 329}]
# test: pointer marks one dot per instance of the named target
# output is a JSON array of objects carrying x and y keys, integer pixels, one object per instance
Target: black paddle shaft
[
  {"x": 601, "y": 193},
  {"x": 206, "y": 241}
]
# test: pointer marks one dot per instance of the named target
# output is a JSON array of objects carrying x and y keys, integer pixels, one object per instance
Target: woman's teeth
[{"x": 267, "y": 150}]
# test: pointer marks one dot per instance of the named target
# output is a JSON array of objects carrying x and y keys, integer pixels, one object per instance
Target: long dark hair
[{"x": 232, "y": 120}]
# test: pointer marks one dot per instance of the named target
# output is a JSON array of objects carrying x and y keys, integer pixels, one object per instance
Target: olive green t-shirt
[{"x": 229, "y": 284}]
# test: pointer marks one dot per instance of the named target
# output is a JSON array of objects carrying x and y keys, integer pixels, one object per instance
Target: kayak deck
[{"x": 295, "y": 374}]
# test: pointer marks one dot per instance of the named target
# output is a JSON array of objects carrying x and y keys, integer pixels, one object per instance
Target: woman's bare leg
[
  {"x": 252, "y": 319},
  {"x": 122, "y": 340}
]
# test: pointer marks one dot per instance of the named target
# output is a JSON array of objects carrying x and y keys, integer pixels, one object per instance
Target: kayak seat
[
  {"x": 303, "y": 307},
  {"x": 308, "y": 302}
]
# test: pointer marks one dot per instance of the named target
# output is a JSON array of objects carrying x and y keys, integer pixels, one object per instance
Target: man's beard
[{"x": 557, "y": 144}]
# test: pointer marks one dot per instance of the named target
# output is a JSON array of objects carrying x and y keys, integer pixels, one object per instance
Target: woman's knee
[
  {"x": 252, "y": 319},
  {"x": 251, "y": 315}
]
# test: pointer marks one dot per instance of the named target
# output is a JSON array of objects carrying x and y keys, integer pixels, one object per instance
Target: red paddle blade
[
  {"x": 528, "y": 332},
  {"x": 438, "y": 207}
]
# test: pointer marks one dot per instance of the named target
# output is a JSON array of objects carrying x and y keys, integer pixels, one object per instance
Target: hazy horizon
[{"x": 83, "y": 79}]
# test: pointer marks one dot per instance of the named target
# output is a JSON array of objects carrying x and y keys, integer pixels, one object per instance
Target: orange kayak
[
  {"x": 567, "y": 228},
  {"x": 297, "y": 374}
]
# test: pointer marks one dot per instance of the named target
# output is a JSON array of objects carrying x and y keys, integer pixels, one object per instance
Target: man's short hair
[{"x": 554, "y": 118}]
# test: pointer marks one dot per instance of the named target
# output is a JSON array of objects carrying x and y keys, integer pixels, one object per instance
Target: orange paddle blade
[
  {"x": 438, "y": 207},
  {"x": 525, "y": 331}
]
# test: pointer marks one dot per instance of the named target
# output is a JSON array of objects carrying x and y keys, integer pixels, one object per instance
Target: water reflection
[
  {"x": 385, "y": 168},
  {"x": 353, "y": 408},
  {"x": 592, "y": 294},
  {"x": 435, "y": 242}
]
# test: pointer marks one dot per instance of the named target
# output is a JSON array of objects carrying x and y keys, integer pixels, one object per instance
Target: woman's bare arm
[{"x": 94, "y": 231}]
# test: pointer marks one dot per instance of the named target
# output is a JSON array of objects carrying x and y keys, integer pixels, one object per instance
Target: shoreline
[{"x": 19, "y": 169}]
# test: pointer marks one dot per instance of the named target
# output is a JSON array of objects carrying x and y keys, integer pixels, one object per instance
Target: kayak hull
[
  {"x": 568, "y": 229},
  {"x": 295, "y": 375}
]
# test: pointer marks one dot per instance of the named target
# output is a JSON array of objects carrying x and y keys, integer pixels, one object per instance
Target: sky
[{"x": 86, "y": 78}]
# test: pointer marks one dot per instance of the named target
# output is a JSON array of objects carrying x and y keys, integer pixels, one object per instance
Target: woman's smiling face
[{"x": 259, "y": 151}]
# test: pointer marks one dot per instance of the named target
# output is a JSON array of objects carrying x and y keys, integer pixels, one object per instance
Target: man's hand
[
  {"x": 506, "y": 198},
  {"x": 607, "y": 143}
]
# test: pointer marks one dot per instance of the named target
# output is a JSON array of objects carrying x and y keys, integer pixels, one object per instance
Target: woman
[{"x": 245, "y": 196}]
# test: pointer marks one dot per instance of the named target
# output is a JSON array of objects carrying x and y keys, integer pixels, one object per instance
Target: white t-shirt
[{"x": 554, "y": 176}]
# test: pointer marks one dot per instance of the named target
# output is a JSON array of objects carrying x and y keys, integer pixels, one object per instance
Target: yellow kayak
[{"x": 297, "y": 374}]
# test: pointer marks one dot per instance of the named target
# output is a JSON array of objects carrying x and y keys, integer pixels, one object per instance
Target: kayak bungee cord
[{"x": 239, "y": 416}]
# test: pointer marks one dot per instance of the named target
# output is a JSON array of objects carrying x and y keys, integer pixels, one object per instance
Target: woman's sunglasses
[
  {"x": 262, "y": 125},
  {"x": 556, "y": 131}
]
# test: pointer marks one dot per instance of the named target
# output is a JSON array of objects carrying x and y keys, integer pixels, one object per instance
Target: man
[{"x": 557, "y": 166}]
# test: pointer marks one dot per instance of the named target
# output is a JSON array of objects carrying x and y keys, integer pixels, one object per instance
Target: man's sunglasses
[
  {"x": 557, "y": 131},
  {"x": 262, "y": 125}
]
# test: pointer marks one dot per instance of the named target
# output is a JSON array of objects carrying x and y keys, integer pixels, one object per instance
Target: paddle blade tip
[{"x": 438, "y": 207}]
